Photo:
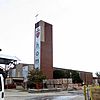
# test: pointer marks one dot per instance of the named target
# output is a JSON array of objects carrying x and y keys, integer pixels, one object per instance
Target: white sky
[{"x": 76, "y": 31}]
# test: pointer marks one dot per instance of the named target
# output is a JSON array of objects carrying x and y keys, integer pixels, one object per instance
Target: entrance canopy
[{"x": 5, "y": 59}]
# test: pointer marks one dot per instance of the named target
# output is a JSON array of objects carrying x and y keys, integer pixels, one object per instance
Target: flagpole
[{"x": 36, "y": 17}]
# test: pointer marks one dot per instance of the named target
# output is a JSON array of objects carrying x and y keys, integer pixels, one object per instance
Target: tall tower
[{"x": 43, "y": 55}]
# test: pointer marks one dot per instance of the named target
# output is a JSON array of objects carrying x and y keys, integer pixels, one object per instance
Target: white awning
[{"x": 9, "y": 57}]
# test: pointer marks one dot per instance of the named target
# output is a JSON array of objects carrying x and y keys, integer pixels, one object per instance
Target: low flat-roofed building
[
  {"x": 19, "y": 73},
  {"x": 87, "y": 77}
]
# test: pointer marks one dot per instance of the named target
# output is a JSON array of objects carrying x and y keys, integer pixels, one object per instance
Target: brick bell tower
[{"x": 43, "y": 52}]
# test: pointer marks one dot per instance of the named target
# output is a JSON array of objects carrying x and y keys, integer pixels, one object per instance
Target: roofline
[{"x": 73, "y": 70}]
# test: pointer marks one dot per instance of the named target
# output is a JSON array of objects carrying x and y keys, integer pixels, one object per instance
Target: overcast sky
[{"x": 76, "y": 31}]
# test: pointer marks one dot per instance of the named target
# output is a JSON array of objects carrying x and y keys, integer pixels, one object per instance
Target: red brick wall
[
  {"x": 87, "y": 77},
  {"x": 47, "y": 52}
]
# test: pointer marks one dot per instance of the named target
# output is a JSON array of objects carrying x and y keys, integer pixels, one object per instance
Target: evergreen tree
[{"x": 75, "y": 77}]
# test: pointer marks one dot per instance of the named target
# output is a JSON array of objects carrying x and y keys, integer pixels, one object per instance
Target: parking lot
[{"x": 63, "y": 95}]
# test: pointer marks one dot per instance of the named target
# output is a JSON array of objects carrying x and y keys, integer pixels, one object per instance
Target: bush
[
  {"x": 10, "y": 86},
  {"x": 35, "y": 77}
]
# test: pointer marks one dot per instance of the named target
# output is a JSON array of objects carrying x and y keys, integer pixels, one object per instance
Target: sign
[{"x": 37, "y": 47}]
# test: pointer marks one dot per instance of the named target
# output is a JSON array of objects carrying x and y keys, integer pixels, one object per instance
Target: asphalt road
[{"x": 64, "y": 95}]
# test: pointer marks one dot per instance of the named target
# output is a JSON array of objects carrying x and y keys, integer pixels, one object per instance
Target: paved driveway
[{"x": 64, "y": 95}]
